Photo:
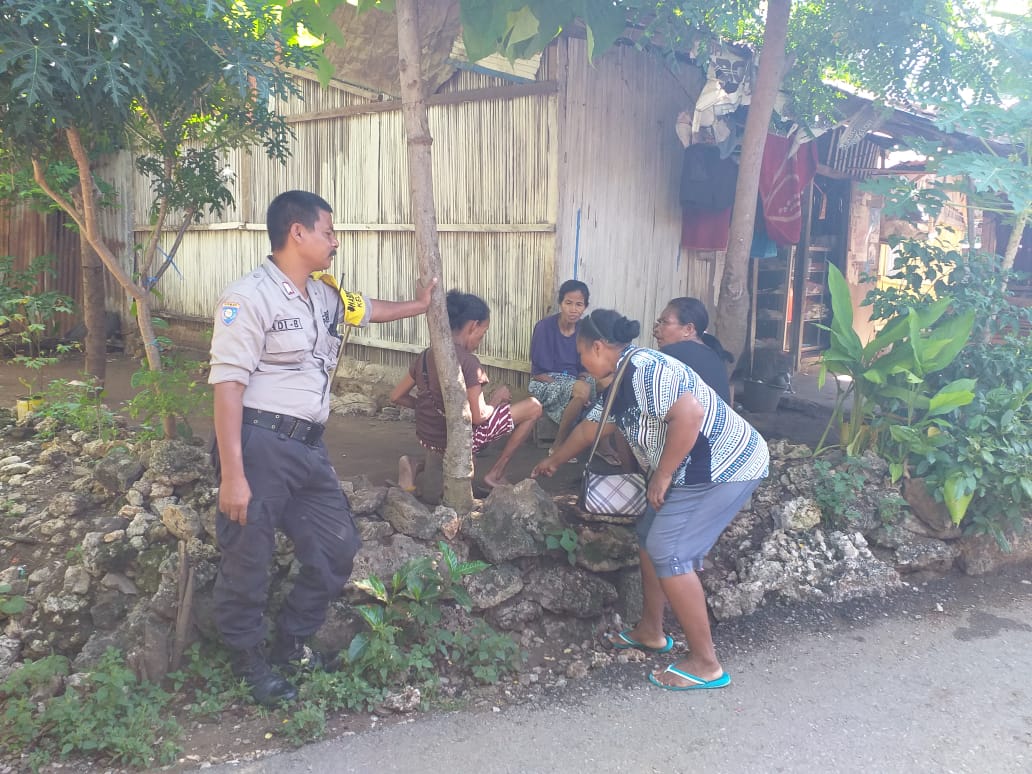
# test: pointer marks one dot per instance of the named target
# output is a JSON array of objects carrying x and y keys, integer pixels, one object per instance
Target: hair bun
[{"x": 625, "y": 331}]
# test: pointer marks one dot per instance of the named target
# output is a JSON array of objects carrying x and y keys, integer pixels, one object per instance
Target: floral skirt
[{"x": 554, "y": 396}]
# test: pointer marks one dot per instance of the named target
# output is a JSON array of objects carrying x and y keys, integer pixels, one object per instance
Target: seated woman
[
  {"x": 557, "y": 378},
  {"x": 703, "y": 462},
  {"x": 469, "y": 318},
  {"x": 681, "y": 332}
]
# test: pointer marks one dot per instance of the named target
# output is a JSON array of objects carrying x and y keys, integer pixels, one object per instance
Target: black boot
[
  {"x": 292, "y": 654},
  {"x": 267, "y": 687}
]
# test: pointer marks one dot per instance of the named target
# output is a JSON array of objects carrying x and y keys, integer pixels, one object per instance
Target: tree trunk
[
  {"x": 1011, "y": 251},
  {"x": 93, "y": 312},
  {"x": 458, "y": 458},
  {"x": 733, "y": 303}
]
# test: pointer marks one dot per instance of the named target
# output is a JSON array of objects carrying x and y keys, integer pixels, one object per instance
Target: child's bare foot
[{"x": 406, "y": 474}]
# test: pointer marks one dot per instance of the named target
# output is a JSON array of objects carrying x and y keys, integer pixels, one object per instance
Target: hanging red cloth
[
  {"x": 705, "y": 229},
  {"x": 784, "y": 175}
]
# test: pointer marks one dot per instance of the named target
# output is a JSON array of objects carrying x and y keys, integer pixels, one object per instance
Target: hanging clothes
[
  {"x": 785, "y": 172},
  {"x": 705, "y": 229}
]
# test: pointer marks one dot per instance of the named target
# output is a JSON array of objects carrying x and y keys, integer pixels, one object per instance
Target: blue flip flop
[
  {"x": 627, "y": 642},
  {"x": 694, "y": 683}
]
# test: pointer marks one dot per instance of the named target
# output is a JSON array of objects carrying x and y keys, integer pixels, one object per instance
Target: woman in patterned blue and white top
[{"x": 702, "y": 460}]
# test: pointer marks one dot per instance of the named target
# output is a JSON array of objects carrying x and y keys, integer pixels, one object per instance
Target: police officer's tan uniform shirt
[{"x": 283, "y": 347}]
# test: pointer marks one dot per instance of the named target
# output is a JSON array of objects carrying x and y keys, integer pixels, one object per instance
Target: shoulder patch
[{"x": 229, "y": 312}]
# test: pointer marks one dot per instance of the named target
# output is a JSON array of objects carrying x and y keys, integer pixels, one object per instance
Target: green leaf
[
  {"x": 472, "y": 568},
  {"x": 522, "y": 26},
  {"x": 605, "y": 22},
  {"x": 12, "y": 606},
  {"x": 374, "y": 587},
  {"x": 956, "y": 498},
  {"x": 959, "y": 392},
  {"x": 358, "y": 646}
]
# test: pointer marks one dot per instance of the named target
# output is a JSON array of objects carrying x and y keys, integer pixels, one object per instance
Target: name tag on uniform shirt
[{"x": 292, "y": 324}]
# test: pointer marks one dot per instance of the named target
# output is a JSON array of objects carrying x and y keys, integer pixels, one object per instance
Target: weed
[
  {"x": 407, "y": 642},
  {"x": 836, "y": 488},
  {"x": 305, "y": 724},
  {"x": 177, "y": 391},
  {"x": 10, "y": 604},
  {"x": 565, "y": 540},
  {"x": 79, "y": 405},
  {"x": 74, "y": 555},
  {"x": 109, "y": 715},
  {"x": 208, "y": 675}
]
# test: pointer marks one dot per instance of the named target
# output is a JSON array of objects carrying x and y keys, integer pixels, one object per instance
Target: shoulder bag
[{"x": 618, "y": 494}]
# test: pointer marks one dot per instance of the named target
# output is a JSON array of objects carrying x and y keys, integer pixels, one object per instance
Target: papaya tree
[{"x": 173, "y": 82}]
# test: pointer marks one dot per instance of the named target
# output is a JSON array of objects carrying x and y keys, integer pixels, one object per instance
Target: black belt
[{"x": 284, "y": 424}]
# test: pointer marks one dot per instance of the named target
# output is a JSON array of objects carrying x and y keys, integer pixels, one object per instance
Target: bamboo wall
[
  {"x": 496, "y": 190},
  {"x": 516, "y": 167},
  {"x": 619, "y": 226}
]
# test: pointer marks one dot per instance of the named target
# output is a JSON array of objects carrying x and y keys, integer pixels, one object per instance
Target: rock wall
[{"x": 98, "y": 537}]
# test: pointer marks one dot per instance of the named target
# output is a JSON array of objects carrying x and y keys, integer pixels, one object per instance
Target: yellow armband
[{"x": 354, "y": 303}]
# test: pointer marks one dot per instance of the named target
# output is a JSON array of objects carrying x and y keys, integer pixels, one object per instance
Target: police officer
[{"x": 274, "y": 351}]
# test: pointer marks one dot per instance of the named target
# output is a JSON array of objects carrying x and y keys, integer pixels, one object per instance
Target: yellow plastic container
[{"x": 26, "y": 406}]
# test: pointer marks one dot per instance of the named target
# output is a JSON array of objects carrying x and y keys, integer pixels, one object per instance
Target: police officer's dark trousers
[{"x": 293, "y": 488}]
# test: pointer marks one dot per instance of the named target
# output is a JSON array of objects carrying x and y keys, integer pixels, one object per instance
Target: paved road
[{"x": 909, "y": 690}]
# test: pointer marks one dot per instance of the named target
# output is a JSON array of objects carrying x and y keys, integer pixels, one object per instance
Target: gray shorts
[{"x": 679, "y": 535}]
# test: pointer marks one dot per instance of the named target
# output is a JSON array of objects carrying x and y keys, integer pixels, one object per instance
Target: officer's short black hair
[{"x": 292, "y": 207}]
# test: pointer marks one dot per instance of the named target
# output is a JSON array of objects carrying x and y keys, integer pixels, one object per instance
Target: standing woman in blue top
[
  {"x": 557, "y": 379},
  {"x": 702, "y": 460},
  {"x": 681, "y": 332}
]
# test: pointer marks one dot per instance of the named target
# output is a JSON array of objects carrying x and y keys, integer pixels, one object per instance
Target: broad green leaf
[
  {"x": 522, "y": 26},
  {"x": 357, "y": 647},
  {"x": 956, "y": 498},
  {"x": 953, "y": 334},
  {"x": 374, "y": 587},
  {"x": 605, "y": 22},
  {"x": 955, "y": 394}
]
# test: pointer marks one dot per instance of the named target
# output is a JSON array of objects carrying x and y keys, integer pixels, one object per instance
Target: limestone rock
[
  {"x": 67, "y": 504},
  {"x": 76, "y": 580},
  {"x": 353, "y": 403},
  {"x": 409, "y": 516},
  {"x": 980, "y": 555},
  {"x": 368, "y": 501},
  {"x": 117, "y": 470},
  {"x": 384, "y": 558},
  {"x": 177, "y": 462},
  {"x": 515, "y": 522},
  {"x": 181, "y": 520},
  {"x": 606, "y": 548},
  {"x": 800, "y": 514},
  {"x": 494, "y": 585},
  {"x": 921, "y": 554},
  {"x": 373, "y": 530},
  {"x": 569, "y": 591},
  {"x": 514, "y": 614}
]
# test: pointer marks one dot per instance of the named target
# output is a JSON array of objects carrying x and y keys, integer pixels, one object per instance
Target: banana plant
[{"x": 896, "y": 409}]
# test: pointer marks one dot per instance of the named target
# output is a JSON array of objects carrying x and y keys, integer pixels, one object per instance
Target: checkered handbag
[{"x": 617, "y": 494}]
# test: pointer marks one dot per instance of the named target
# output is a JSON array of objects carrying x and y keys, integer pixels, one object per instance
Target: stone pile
[{"x": 94, "y": 531}]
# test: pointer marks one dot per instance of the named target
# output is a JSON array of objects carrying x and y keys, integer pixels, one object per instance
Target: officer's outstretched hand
[
  {"x": 423, "y": 292},
  {"x": 234, "y": 497}
]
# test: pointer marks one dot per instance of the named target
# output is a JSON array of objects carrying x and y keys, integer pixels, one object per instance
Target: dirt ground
[{"x": 371, "y": 446}]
